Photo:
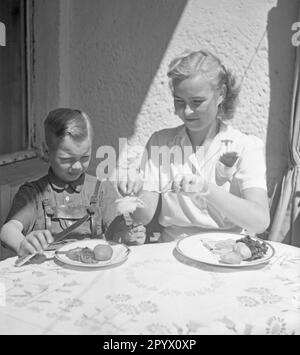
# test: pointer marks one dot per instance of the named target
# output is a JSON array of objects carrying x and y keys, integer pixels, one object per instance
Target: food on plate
[
  {"x": 84, "y": 255},
  {"x": 232, "y": 251},
  {"x": 225, "y": 244},
  {"x": 101, "y": 252},
  {"x": 128, "y": 204},
  {"x": 220, "y": 247},
  {"x": 231, "y": 257},
  {"x": 258, "y": 249},
  {"x": 243, "y": 250}
]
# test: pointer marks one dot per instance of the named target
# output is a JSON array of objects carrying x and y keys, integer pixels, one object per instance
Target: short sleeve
[
  {"x": 149, "y": 166},
  {"x": 24, "y": 207},
  {"x": 108, "y": 197},
  {"x": 251, "y": 170}
]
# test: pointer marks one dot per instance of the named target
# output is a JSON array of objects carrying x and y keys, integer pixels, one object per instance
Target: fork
[{"x": 167, "y": 188}]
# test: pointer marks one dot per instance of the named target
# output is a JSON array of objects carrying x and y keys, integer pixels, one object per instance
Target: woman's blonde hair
[{"x": 205, "y": 63}]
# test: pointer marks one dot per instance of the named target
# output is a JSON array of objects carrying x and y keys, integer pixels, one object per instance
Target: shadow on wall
[
  {"x": 119, "y": 60},
  {"x": 281, "y": 74}
]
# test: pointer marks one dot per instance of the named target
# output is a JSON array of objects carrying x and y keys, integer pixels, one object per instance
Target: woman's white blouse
[{"x": 169, "y": 152}]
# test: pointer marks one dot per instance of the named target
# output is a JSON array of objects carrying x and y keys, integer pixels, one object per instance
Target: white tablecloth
[{"x": 155, "y": 291}]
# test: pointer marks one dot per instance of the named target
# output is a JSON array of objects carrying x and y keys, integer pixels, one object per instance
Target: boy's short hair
[{"x": 64, "y": 122}]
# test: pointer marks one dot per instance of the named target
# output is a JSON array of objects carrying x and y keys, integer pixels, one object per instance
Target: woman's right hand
[
  {"x": 36, "y": 241},
  {"x": 130, "y": 182}
]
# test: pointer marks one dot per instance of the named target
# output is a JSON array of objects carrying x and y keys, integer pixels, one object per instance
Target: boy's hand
[
  {"x": 131, "y": 235},
  {"x": 135, "y": 235},
  {"x": 119, "y": 232},
  {"x": 36, "y": 241}
]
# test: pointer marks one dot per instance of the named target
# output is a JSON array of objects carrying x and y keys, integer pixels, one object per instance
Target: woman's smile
[{"x": 191, "y": 119}]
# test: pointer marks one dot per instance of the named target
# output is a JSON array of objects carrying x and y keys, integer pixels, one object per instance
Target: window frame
[{"x": 30, "y": 151}]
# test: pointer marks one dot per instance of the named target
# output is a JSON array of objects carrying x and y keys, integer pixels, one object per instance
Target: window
[{"x": 14, "y": 84}]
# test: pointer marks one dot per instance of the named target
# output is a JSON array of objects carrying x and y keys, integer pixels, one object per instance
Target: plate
[
  {"x": 120, "y": 253},
  {"x": 192, "y": 247}
]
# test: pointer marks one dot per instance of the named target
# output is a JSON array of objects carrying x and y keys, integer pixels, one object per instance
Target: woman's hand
[
  {"x": 135, "y": 235},
  {"x": 189, "y": 183},
  {"x": 229, "y": 158},
  {"x": 36, "y": 241},
  {"x": 130, "y": 182}
]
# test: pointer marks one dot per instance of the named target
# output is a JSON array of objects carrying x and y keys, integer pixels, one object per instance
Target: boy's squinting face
[{"x": 69, "y": 158}]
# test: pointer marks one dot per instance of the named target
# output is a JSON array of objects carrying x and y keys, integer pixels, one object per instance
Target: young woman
[{"x": 215, "y": 172}]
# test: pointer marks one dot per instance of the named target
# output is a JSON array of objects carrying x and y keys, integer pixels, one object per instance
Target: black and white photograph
[{"x": 149, "y": 170}]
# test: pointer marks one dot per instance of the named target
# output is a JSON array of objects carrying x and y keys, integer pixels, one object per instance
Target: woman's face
[{"x": 196, "y": 102}]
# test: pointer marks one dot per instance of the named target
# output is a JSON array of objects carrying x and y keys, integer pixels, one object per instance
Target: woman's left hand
[
  {"x": 189, "y": 183},
  {"x": 229, "y": 159}
]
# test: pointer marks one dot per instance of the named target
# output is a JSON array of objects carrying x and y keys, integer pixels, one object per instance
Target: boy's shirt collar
[{"x": 60, "y": 185}]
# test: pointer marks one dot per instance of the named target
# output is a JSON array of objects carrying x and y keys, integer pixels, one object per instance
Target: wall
[
  {"x": 45, "y": 58},
  {"x": 109, "y": 58}
]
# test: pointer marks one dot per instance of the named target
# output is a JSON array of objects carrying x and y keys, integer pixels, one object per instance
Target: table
[{"x": 155, "y": 291}]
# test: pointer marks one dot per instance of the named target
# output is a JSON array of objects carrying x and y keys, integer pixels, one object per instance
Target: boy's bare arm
[
  {"x": 36, "y": 241},
  {"x": 11, "y": 234}
]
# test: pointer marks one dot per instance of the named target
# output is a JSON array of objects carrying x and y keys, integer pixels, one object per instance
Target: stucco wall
[{"x": 109, "y": 58}]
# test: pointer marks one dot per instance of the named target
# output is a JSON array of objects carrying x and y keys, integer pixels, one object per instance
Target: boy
[{"x": 47, "y": 206}]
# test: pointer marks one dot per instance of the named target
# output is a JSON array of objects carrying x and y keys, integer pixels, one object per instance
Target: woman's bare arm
[
  {"x": 145, "y": 215},
  {"x": 250, "y": 212}
]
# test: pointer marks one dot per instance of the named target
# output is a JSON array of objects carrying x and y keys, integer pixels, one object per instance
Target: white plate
[
  {"x": 120, "y": 253},
  {"x": 192, "y": 247}
]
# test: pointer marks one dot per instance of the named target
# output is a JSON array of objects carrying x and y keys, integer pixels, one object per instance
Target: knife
[{"x": 60, "y": 236}]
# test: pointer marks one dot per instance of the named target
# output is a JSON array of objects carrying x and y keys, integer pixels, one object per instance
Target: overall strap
[
  {"x": 92, "y": 209},
  {"x": 45, "y": 192},
  {"x": 48, "y": 213}
]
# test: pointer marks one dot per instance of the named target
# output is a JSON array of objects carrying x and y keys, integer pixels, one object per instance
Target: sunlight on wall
[{"x": 113, "y": 56}]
